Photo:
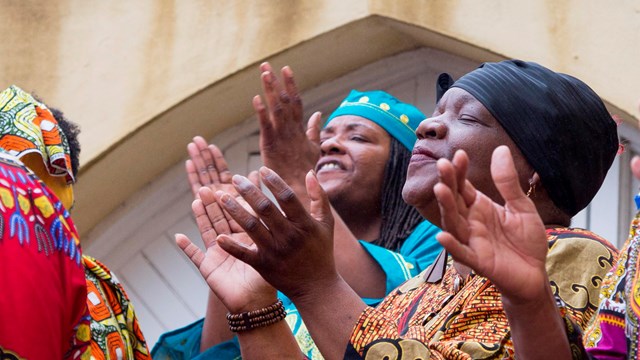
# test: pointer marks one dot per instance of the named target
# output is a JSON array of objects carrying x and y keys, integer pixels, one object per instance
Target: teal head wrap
[{"x": 399, "y": 119}]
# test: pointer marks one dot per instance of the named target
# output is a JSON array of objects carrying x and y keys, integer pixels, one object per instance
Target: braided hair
[{"x": 398, "y": 218}]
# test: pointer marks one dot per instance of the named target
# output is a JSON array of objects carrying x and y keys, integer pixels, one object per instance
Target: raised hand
[
  {"x": 207, "y": 167},
  {"x": 237, "y": 285},
  {"x": 506, "y": 244},
  {"x": 285, "y": 145},
  {"x": 294, "y": 248}
]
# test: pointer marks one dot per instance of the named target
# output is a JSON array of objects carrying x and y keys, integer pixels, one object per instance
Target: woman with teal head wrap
[
  {"x": 365, "y": 148},
  {"x": 349, "y": 175}
]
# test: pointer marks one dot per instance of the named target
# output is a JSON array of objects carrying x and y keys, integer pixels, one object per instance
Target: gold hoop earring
[{"x": 532, "y": 190}]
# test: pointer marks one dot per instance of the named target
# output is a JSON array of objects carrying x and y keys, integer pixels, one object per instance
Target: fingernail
[
  {"x": 265, "y": 171},
  {"x": 241, "y": 181},
  {"x": 225, "y": 198}
]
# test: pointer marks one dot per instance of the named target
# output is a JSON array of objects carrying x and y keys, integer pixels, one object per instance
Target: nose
[
  {"x": 431, "y": 128},
  {"x": 331, "y": 145}
]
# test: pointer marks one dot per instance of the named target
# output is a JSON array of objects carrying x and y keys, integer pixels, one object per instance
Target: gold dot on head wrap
[{"x": 399, "y": 119}]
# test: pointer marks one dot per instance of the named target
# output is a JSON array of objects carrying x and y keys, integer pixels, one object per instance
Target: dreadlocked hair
[{"x": 398, "y": 218}]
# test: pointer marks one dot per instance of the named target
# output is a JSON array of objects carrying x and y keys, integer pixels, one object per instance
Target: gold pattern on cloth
[{"x": 467, "y": 321}]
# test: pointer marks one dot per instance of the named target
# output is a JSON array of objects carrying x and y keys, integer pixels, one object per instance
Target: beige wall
[{"x": 142, "y": 77}]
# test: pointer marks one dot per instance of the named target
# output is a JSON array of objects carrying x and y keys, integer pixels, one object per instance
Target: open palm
[
  {"x": 235, "y": 283},
  {"x": 507, "y": 244},
  {"x": 282, "y": 131}
]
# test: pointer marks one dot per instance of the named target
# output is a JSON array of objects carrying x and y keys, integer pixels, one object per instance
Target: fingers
[
  {"x": 207, "y": 159},
  {"x": 192, "y": 176},
  {"x": 320, "y": 207},
  {"x": 505, "y": 177},
  {"x": 263, "y": 116},
  {"x": 205, "y": 225},
  {"x": 243, "y": 252},
  {"x": 459, "y": 251},
  {"x": 199, "y": 163},
  {"x": 294, "y": 96},
  {"x": 216, "y": 216},
  {"x": 266, "y": 210},
  {"x": 190, "y": 249},
  {"x": 277, "y": 100},
  {"x": 249, "y": 223},
  {"x": 284, "y": 195},
  {"x": 220, "y": 163},
  {"x": 254, "y": 177},
  {"x": 314, "y": 126},
  {"x": 453, "y": 215}
]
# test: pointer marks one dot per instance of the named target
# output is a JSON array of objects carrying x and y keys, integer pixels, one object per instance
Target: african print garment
[
  {"x": 27, "y": 126},
  {"x": 43, "y": 312},
  {"x": 463, "y": 318},
  {"x": 115, "y": 331},
  {"x": 615, "y": 333}
]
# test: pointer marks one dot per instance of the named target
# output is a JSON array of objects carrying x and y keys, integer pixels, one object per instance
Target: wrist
[
  {"x": 539, "y": 299},
  {"x": 253, "y": 302},
  {"x": 261, "y": 317},
  {"x": 317, "y": 290}
]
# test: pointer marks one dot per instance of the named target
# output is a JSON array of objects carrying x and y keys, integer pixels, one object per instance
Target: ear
[{"x": 534, "y": 180}]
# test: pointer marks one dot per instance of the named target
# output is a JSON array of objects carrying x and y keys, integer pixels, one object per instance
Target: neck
[{"x": 365, "y": 225}]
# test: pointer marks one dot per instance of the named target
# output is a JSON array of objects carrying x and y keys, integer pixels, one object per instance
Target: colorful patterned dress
[
  {"x": 29, "y": 131},
  {"x": 42, "y": 287},
  {"x": 462, "y": 318},
  {"x": 115, "y": 331},
  {"x": 615, "y": 334}
]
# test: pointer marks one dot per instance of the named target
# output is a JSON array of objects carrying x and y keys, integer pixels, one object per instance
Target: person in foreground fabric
[
  {"x": 43, "y": 304},
  {"x": 448, "y": 311},
  {"x": 365, "y": 150},
  {"x": 47, "y": 143},
  {"x": 613, "y": 335},
  {"x": 616, "y": 332}
]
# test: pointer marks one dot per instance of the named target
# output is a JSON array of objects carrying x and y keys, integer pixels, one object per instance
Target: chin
[{"x": 418, "y": 192}]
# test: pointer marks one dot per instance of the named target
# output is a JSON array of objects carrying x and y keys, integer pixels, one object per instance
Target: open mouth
[{"x": 329, "y": 166}]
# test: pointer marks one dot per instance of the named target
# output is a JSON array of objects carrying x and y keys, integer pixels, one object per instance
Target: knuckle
[
  {"x": 263, "y": 206},
  {"x": 277, "y": 110},
  {"x": 286, "y": 195},
  {"x": 251, "y": 224},
  {"x": 284, "y": 97}
]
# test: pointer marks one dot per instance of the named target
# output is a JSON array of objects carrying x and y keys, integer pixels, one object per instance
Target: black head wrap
[{"x": 559, "y": 124}]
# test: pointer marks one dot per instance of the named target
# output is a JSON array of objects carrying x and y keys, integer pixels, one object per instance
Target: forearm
[
  {"x": 537, "y": 328},
  {"x": 330, "y": 313},
  {"x": 354, "y": 264},
  {"x": 215, "y": 329}
]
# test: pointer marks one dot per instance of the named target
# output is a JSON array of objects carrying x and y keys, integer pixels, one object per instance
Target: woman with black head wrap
[{"x": 555, "y": 141}]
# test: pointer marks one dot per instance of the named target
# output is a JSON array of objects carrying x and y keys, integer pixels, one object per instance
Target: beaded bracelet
[{"x": 257, "y": 318}]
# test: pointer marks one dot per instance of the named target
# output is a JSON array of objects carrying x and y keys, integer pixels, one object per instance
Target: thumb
[
  {"x": 320, "y": 208},
  {"x": 505, "y": 176},
  {"x": 313, "y": 127}
]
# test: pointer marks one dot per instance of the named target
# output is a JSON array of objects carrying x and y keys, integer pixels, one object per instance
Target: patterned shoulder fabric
[
  {"x": 115, "y": 330},
  {"x": 463, "y": 318}
]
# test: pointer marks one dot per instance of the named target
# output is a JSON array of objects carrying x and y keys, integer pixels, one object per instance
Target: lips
[
  {"x": 422, "y": 154},
  {"x": 329, "y": 165}
]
